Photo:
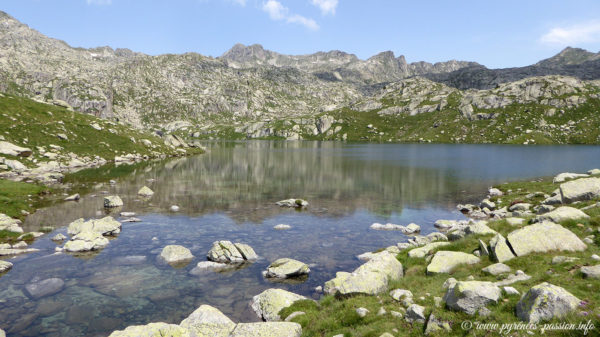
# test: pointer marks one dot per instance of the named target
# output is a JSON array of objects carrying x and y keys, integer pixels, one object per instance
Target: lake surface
[{"x": 229, "y": 194}]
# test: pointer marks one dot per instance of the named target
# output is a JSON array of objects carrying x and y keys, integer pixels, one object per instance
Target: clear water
[{"x": 229, "y": 194}]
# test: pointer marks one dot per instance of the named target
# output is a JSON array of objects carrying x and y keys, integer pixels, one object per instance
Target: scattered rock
[
  {"x": 209, "y": 266},
  {"x": 282, "y": 227},
  {"x": 14, "y": 150},
  {"x": 591, "y": 272},
  {"x": 105, "y": 226},
  {"x": 563, "y": 259},
  {"x": 515, "y": 221},
  {"x": 112, "y": 201},
  {"x": 544, "y": 302},
  {"x": 297, "y": 203},
  {"x": 511, "y": 291},
  {"x": 362, "y": 312},
  {"x": 446, "y": 261},
  {"x": 425, "y": 250},
  {"x": 562, "y": 214},
  {"x": 562, "y": 177},
  {"x": 86, "y": 241},
  {"x": 47, "y": 287},
  {"x": 500, "y": 251},
  {"x": 269, "y": 303},
  {"x": 415, "y": 313},
  {"x": 496, "y": 269},
  {"x": 286, "y": 268},
  {"x": 9, "y": 224},
  {"x": 435, "y": 325},
  {"x": 518, "y": 276},
  {"x": 494, "y": 192},
  {"x": 175, "y": 254},
  {"x": 580, "y": 189},
  {"x": 228, "y": 252},
  {"x": 206, "y": 314},
  {"x": 470, "y": 296},
  {"x": 145, "y": 192},
  {"x": 410, "y": 229},
  {"x": 544, "y": 237}
]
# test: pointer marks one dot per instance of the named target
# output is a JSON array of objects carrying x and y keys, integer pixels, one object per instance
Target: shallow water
[{"x": 229, "y": 194}]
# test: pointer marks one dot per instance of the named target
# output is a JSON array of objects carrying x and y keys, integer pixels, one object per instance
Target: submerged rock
[
  {"x": 175, "y": 254},
  {"x": 545, "y": 302},
  {"x": 410, "y": 229},
  {"x": 112, "y": 201},
  {"x": 210, "y": 266},
  {"x": 269, "y": 303},
  {"x": 470, "y": 296},
  {"x": 286, "y": 268},
  {"x": 47, "y": 287}
]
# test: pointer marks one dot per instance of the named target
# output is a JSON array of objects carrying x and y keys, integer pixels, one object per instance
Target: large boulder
[
  {"x": 447, "y": 261},
  {"x": 152, "y": 330},
  {"x": 470, "y": 296},
  {"x": 580, "y": 189},
  {"x": 544, "y": 237},
  {"x": 370, "y": 278},
  {"x": 285, "y": 268},
  {"x": 112, "y": 201},
  {"x": 425, "y": 250},
  {"x": 175, "y": 254},
  {"x": 104, "y": 226},
  {"x": 206, "y": 314},
  {"x": 44, "y": 288},
  {"x": 562, "y": 214},
  {"x": 268, "y": 303},
  {"x": 86, "y": 241},
  {"x": 228, "y": 252},
  {"x": 544, "y": 302},
  {"x": 14, "y": 150},
  {"x": 500, "y": 251}
]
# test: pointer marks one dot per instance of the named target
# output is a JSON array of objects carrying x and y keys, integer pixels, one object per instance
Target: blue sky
[{"x": 495, "y": 33}]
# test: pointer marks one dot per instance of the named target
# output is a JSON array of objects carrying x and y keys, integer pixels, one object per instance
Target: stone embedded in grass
[
  {"x": 591, "y": 271},
  {"x": 562, "y": 177},
  {"x": 561, "y": 214},
  {"x": 515, "y": 221},
  {"x": 269, "y": 303},
  {"x": 10, "y": 149},
  {"x": 563, "y": 259},
  {"x": 447, "y": 261},
  {"x": 544, "y": 237},
  {"x": 425, "y": 250},
  {"x": 545, "y": 302},
  {"x": 286, "y": 268},
  {"x": 112, "y": 201},
  {"x": 362, "y": 312},
  {"x": 435, "y": 325},
  {"x": 518, "y": 276},
  {"x": 580, "y": 190},
  {"x": 496, "y": 269},
  {"x": 500, "y": 251},
  {"x": 470, "y": 296},
  {"x": 510, "y": 291},
  {"x": 415, "y": 313},
  {"x": 145, "y": 192},
  {"x": 175, "y": 254}
]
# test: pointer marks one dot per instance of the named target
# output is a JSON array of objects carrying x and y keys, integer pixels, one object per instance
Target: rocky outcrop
[{"x": 545, "y": 302}]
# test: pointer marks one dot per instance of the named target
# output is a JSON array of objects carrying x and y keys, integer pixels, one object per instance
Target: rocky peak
[
  {"x": 241, "y": 53},
  {"x": 568, "y": 56}
]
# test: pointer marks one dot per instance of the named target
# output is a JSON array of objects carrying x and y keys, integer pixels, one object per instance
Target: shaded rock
[
  {"x": 285, "y": 268},
  {"x": 145, "y": 192},
  {"x": 447, "y": 261},
  {"x": 470, "y": 296},
  {"x": 112, "y": 201},
  {"x": 86, "y": 241},
  {"x": 105, "y": 226},
  {"x": 544, "y": 302},
  {"x": 500, "y": 251},
  {"x": 44, "y": 288},
  {"x": 497, "y": 269},
  {"x": 269, "y": 303},
  {"x": 425, "y": 250},
  {"x": 580, "y": 189},
  {"x": 588, "y": 272},
  {"x": 415, "y": 313},
  {"x": 435, "y": 325},
  {"x": 175, "y": 254},
  {"x": 544, "y": 237},
  {"x": 562, "y": 214}
]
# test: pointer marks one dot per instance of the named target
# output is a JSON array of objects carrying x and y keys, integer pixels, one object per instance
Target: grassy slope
[{"x": 331, "y": 316}]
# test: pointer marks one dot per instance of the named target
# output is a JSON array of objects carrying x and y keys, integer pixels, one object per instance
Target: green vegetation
[
  {"x": 330, "y": 315},
  {"x": 18, "y": 196}
]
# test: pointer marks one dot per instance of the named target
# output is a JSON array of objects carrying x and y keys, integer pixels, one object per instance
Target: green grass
[{"x": 17, "y": 196}]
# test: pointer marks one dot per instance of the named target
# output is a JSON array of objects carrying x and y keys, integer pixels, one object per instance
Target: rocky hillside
[{"x": 250, "y": 92}]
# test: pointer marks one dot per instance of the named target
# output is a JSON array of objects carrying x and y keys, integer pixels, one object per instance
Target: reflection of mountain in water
[{"x": 245, "y": 179}]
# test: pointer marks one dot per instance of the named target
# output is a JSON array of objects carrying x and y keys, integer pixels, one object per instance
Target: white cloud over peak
[
  {"x": 279, "y": 12},
  {"x": 99, "y": 2},
  {"x": 573, "y": 35},
  {"x": 326, "y": 6}
]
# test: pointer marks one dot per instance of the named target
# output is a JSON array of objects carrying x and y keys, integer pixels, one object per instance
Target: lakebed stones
[
  {"x": 227, "y": 252},
  {"x": 44, "y": 288},
  {"x": 269, "y": 303},
  {"x": 580, "y": 189},
  {"x": 470, "y": 296},
  {"x": 175, "y": 254},
  {"x": 86, "y": 241},
  {"x": 145, "y": 192},
  {"x": 286, "y": 268},
  {"x": 544, "y": 302},
  {"x": 544, "y": 237},
  {"x": 370, "y": 278},
  {"x": 409, "y": 229},
  {"x": 112, "y": 201},
  {"x": 293, "y": 202},
  {"x": 105, "y": 226},
  {"x": 562, "y": 214},
  {"x": 204, "y": 267},
  {"x": 447, "y": 261}
]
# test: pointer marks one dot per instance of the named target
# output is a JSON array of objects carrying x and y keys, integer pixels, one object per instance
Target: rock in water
[
  {"x": 44, "y": 288},
  {"x": 580, "y": 189},
  {"x": 446, "y": 261},
  {"x": 228, "y": 252},
  {"x": 152, "y": 330},
  {"x": 86, "y": 241},
  {"x": 112, "y": 201},
  {"x": 176, "y": 254},
  {"x": 145, "y": 192},
  {"x": 562, "y": 214},
  {"x": 269, "y": 303},
  {"x": 544, "y": 237},
  {"x": 282, "y": 227},
  {"x": 247, "y": 252},
  {"x": 286, "y": 268},
  {"x": 297, "y": 203},
  {"x": 5, "y": 266},
  {"x": 74, "y": 197},
  {"x": 105, "y": 226},
  {"x": 470, "y": 296},
  {"x": 545, "y": 302}
]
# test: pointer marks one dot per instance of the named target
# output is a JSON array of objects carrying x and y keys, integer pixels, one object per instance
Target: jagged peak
[
  {"x": 384, "y": 55},
  {"x": 570, "y": 55}
]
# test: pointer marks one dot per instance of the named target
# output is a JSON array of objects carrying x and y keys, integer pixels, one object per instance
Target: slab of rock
[
  {"x": 86, "y": 241},
  {"x": 297, "y": 203},
  {"x": 206, "y": 314},
  {"x": 470, "y": 296},
  {"x": 562, "y": 177},
  {"x": 500, "y": 251},
  {"x": 562, "y": 214},
  {"x": 370, "y": 278},
  {"x": 425, "y": 250},
  {"x": 591, "y": 272},
  {"x": 518, "y": 276},
  {"x": 544, "y": 302},
  {"x": 286, "y": 268},
  {"x": 112, "y": 201},
  {"x": 5, "y": 266},
  {"x": 105, "y": 226},
  {"x": 544, "y": 237},
  {"x": 580, "y": 189},
  {"x": 14, "y": 150},
  {"x": 247, "y": 252},
  {"x": 145, "y": 192},
  {"x": 496, "y": 269},
  {"x": 447, "y": 261},
  {"x": 268, "y": 303},
  {"x": 175, "y": 254},
  {"x": 44, "y": 288},
  {"x": 228, "y": 252}
]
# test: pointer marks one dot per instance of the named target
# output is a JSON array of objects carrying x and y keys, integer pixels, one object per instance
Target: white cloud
[
  {"x": 99, "y": 2},
  {"x": 278, "y": 12},
  {"x": 573, "y": 35},
  {"x": 326, "y": 6}
]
